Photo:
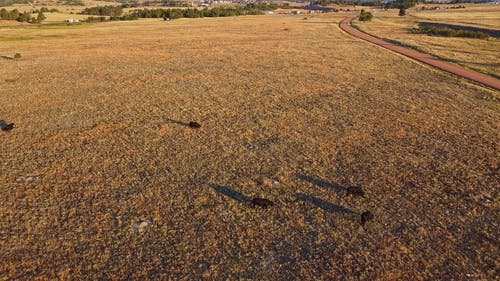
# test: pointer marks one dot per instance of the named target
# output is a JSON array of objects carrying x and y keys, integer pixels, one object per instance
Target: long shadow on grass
[
  {"x": 6, "y": 57},
  {"x": 230, "y": 193},
  {"x": 327, "y": 206},
  {"x": 178, "y": 122},
  {"x": 321, "y": 183},
  {"x": 3, "y": 124}
]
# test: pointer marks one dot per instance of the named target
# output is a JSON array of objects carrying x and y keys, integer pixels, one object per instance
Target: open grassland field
[
  {"x": 291, "y": 110},
  {"x": 476, "y": 54},
  {"x": 61, "y": 17},
  {"x": 481, "y": 15},
  {"x": 59, "y": 5}
]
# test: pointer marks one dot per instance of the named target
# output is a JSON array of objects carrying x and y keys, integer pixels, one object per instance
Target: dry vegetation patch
[
  {"x": 101, "y": 178},
  {"x": 476, "y": 54}
]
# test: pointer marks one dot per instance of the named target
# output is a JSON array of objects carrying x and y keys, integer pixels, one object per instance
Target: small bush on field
[
  {"x": 365, "y": 16},
  {"x": 448, "y": 32},
  {"x": 402, "y": 12},
  {"x": 17, "y": 56}
]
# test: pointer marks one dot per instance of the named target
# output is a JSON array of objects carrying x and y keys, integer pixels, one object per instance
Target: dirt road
[{"x": 465, "y": 73}]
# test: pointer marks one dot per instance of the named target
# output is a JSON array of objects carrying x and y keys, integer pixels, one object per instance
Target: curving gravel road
[{"x": 465, "y": 73}]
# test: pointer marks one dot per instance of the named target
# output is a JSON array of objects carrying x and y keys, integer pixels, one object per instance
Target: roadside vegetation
[
  {"x": 365, "y": 16},
  {"x": 448, "y": 32}
]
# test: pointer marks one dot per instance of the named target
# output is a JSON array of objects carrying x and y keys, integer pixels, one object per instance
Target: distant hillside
[
  {"x": 11, "y": 2},
  {"x": 360, "y": 2}
]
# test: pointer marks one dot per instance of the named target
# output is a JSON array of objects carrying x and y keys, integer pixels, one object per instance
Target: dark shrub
[{"x": 365, "y": 16}]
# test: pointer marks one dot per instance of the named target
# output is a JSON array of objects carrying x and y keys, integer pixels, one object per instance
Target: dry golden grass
[
  {"x": 61, "y": 17},
  {"x": 481, "y": 15},
  {"x": 51, "y": 4},
  {"x": 279, "y": 98},
  {"x": 476, "y": 54},
  {"x": 62, "y": 9}
]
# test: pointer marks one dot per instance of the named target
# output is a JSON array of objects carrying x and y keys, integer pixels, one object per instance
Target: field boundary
[{"x": 486, "y": 80}]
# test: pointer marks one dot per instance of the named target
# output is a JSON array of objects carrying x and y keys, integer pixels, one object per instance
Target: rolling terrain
[{"x": 102, "y": 179}]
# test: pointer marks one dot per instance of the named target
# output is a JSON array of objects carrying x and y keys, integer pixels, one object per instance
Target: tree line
[
  {"x": 398, "y": 4},
  {"x": 112, "y": 11},
  {"x": 115, "y": 13},
  {"x": 45, "y": 10},
  {"x": 249, "y": 9},
  {"x": 21, "y": 17},
  {"x": 11, "y": 2}
]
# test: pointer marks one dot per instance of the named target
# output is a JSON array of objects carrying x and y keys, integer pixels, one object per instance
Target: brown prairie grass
[
  {"x": 481, "y": 15},
  {"x": 51, "y": 4},
  {"x": 99, "y": 146},
  {"x": 476, "y": 54}
]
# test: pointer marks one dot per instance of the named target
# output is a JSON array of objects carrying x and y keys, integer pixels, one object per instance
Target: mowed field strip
[{"x": 291, "y": 109}]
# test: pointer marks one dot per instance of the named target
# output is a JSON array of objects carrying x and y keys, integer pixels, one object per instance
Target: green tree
[
  {"x": 4, "y": 14},
  {"x": 41, "y": 17},
  {"x": 365, "y": 16},
  {"x": 24, "y": 17}
]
